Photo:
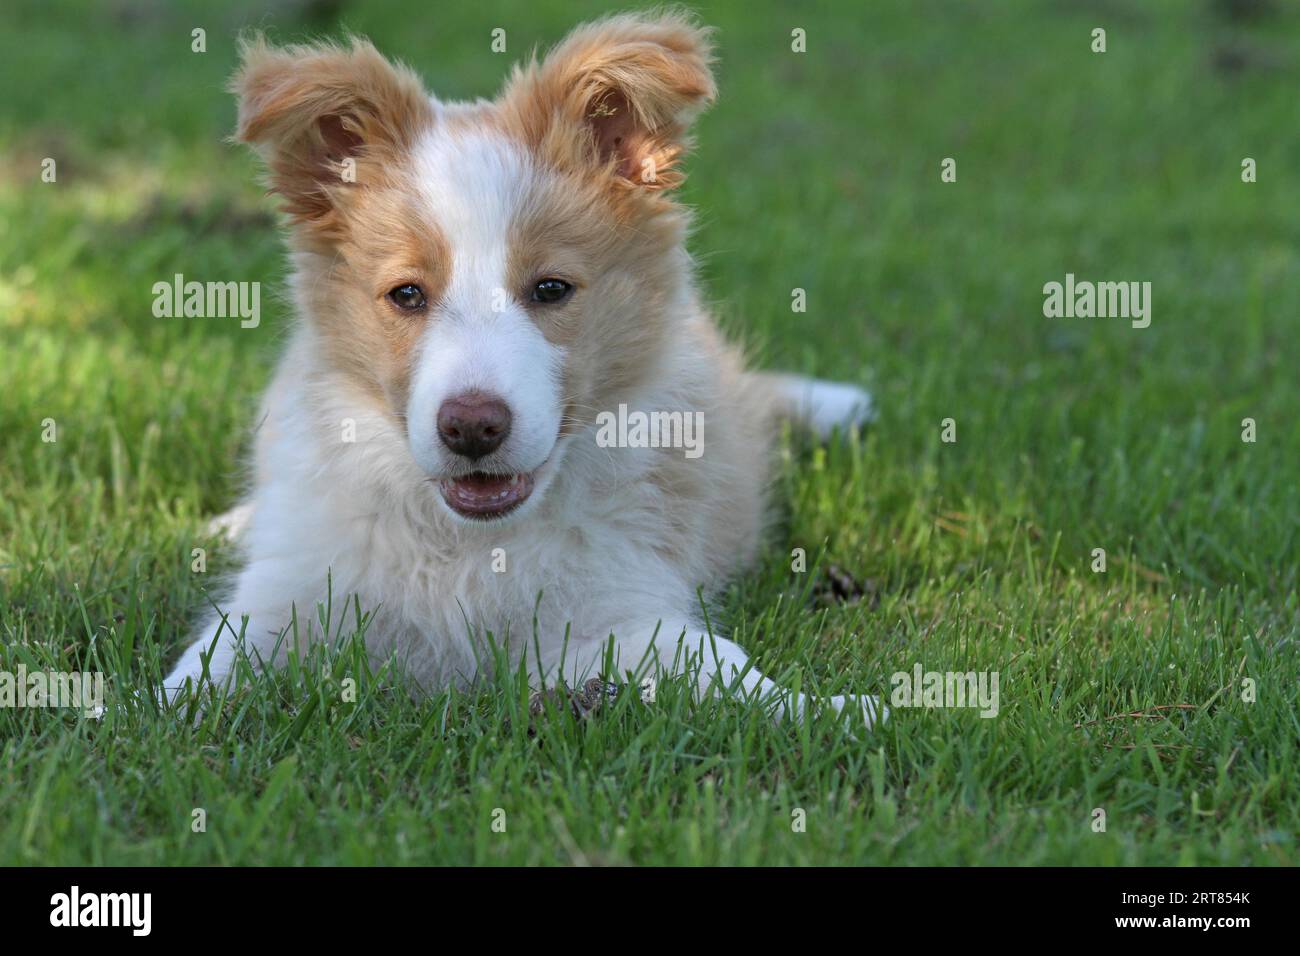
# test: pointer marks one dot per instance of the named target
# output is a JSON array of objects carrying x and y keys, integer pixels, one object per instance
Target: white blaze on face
[{"x": 480, "y": 337}]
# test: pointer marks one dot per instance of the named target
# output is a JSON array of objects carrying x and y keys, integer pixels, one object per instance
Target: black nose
[{"x": 473, "y": 424}]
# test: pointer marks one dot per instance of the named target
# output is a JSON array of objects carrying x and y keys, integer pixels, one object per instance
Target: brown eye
[
  {"x": 408, "y": 297},
  {"x": 550, "y": 291}
]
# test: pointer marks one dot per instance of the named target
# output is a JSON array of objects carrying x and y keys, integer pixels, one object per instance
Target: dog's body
[{"x": 494, "y": 277}]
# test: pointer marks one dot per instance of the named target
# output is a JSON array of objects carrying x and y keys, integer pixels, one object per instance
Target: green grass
[{"x": 818, "y": 171}]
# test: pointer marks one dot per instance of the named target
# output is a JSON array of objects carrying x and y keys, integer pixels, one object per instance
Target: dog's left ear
[{"x": 617, "y": 94}]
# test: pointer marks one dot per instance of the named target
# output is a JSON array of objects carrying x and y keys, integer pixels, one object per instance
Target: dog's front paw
[
  {"x": 860, "y": 712},
  {"x": 185, "y": 687}
]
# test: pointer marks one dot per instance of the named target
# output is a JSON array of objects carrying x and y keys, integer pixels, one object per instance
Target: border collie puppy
[{"x": 482, "y": 289}]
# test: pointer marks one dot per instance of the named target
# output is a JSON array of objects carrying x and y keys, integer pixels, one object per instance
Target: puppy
[{"x": 481, "y": 288}]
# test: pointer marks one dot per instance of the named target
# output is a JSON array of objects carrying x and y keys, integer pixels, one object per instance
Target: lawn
[{"x": 1161, "y": 691}]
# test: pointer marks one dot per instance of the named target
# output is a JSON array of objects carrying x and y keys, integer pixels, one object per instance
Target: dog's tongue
[{"x": 485, "y": 495}]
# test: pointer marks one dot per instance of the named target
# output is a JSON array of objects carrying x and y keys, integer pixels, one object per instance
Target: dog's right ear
[{"x": 327, "y": 119}]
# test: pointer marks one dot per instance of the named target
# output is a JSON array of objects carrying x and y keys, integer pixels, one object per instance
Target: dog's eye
[
  {"x": 407, "y": 297},
  {"x": 550, "y": 291}
]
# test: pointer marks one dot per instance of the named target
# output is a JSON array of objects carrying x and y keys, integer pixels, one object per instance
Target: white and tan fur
[{"x": 472, "y": 202}]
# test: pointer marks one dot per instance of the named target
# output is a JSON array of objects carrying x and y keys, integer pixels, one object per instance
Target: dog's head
[{"x": 490, "y": 274}]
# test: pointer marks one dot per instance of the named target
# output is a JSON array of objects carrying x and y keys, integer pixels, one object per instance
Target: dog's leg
[
  {"x": 268, "y": 600},
  {"x": 189, "y": 669},
  {"x": 820, "y": 404},
  {"x": 221, "y": 650},
  {"x": 642, "y": 648}
]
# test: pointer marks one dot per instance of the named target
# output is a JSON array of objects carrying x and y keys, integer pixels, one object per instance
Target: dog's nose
[{"x": 473, "y": 424}]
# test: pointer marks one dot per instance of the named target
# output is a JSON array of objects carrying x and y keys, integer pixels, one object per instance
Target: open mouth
[{"x": 483, "y": 496}]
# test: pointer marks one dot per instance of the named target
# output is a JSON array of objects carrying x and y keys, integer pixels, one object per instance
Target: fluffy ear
[
  {"x": 618, "y": 93},
  {"x": 326, "y": 119}
]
